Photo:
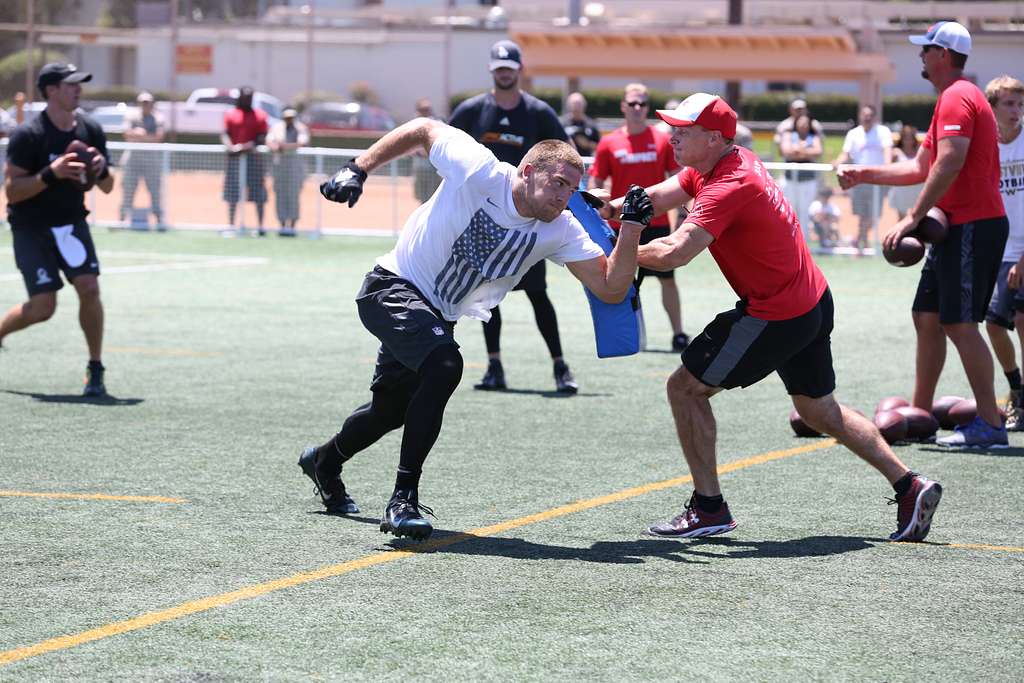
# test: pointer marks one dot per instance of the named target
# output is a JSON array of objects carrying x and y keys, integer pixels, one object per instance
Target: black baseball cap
[
  {"x": 58, "y": 72},
  {"x": 505, "y": 55}
]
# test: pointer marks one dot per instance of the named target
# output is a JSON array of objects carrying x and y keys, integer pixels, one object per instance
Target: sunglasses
[
  {"x": 636, "y": 104},
  {"x": 925, "y": 48}
]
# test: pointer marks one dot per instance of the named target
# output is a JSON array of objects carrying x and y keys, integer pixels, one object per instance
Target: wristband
[
  {"x": 105, "y": 173},
  {"x": 48, "y": 177}
]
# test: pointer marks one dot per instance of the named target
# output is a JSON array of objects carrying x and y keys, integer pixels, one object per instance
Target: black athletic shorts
[
  {"x": 1006, "y": 302},
  {"x": 960, "y": 273},
  {"x": 646, "y": 236},
  {"x": 408, "y": 327},
  {"x": 737, "y": 350},
  {"x": 535, "y": 279},
  {"x": 41, "y": 254},
  {"x": 255, "y": 187}
]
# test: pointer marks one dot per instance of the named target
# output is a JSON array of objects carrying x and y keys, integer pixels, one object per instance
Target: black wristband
[
  {"x": 48, "y": 177},
  {"x": 105, "y": 173}
]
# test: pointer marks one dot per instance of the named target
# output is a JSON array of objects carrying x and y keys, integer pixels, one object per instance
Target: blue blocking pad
[{"x": 616, "y": 326}]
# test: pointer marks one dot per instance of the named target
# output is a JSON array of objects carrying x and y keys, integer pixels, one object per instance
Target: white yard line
[{"x": 210, "y": 262}]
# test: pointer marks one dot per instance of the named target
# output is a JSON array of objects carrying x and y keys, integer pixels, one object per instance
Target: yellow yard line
[
  {"x": 982, "y": 546},
  {"x": 91, "y": 496},
  {"x": 196, "y": 606}
]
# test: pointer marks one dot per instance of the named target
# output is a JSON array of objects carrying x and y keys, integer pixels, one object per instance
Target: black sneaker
[
  {"x": 680, "y": 341},
  {"x": 94, "y": 380},
  {"x": 565, "y": 383},
  {"x": 331, "y": 490},
  {"x": 494, "y": 378},
  {"x": 402, "y": 516}
]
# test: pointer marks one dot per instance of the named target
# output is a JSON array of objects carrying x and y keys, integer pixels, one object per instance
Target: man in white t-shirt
[
  {"x": 459, "y": 254},
  {"x": 866, "y": 145},
  {"x": 1006, "y": 310}
]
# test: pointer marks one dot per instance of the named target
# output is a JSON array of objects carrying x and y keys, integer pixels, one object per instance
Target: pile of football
[{"x": 898, "y": 421}]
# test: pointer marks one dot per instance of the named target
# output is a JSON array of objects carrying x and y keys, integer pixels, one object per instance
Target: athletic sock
[
  {"x": 1013, "y": 377},
  {"x": 708, "y": 503},
  {"x": 902, "y": 485},
  {"x": 407, "y": 480}
]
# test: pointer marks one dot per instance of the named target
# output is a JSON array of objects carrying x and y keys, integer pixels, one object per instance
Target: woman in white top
[
  {"x": 284, "y": 139},
  {"x": 801, "y": 145}
]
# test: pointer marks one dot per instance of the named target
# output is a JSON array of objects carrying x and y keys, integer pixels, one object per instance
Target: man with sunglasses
[
  {"x": 639, "y": 154},
  {"x": 959, "y": 166}
]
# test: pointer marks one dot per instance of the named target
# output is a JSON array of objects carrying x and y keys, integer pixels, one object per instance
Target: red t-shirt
[
  {"x": 758, "y": 242},
  {"x": 963, "y": 110},
  {"x": 243, "y": 126},
  {"x": 642, "y": 160}
]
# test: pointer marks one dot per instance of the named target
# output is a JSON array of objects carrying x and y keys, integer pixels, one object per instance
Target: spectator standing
[
  {"x": 639, "y": 154},
  {"x": 801, "y": 145},
  {"x": 867, "y": 144},
  {"x": 959, "y": 165},
  {"x": 1006, "y": 312},
  {"x": 903, "y": 197},
  {"x": 581, "y": 129},
  {"x": 285, "y": 139},
  {"x": 425, "y": 177},
  {"x": 796, "y": 108},
  {"x": 145, "y": 126},
  {"x": 46, "y": 210},
  {"x": 245, "y": 129},
  {"x": 509, "y": 122}
]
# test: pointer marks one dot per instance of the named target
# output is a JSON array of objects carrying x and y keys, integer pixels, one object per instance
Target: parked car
[
  {"x": 203, "y": 111},
  {"x": 113, "y": 118},
  {"x": 346, "y": 117},
  {"x": 31, "y": 110}
]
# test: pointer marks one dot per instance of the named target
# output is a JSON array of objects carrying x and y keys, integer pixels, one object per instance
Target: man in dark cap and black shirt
[{"x": 46, "y": 187}]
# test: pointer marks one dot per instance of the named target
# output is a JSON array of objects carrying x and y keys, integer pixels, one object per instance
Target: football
[
  {"x": 940, "y": 410},
  {"x": 891, "y": 403},
  {"x": 907, "y": 252},
  {"x": 921, "y": 424},
  {"x": 85, "y": 154},
  {"x": 963, "y": 412},
  {"x": 800, "y": 428},
  {"x": 892, "y": 425},
  {"x": 933, "y": 227}
]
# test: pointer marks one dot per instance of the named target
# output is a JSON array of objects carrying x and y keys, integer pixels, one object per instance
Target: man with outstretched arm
[
  {"x": 782, "y": 322},
  {"x": 458, "y": 255}
]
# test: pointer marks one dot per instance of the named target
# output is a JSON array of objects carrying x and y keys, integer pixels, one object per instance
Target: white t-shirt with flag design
[{"x": 467, "y": 246}]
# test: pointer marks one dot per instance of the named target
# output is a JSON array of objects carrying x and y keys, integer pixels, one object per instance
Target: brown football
[
  {"x": 891, "y": 403},
  {"x": 963, "y": 412},
  {"x": 933, "y": 227},
  {"x": 892, "y": 425},
  {"x": 907, "y": 252},
  {"x": 920, "y": 423},
  {"x": 940, "y": 410},
  {"x": 801, "y": 428},
  {"x": 85, "y": 154}
]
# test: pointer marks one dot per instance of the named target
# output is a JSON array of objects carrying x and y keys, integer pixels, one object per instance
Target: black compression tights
[
  {"x": 419, "y": 406},
  {"x": 543, "y": 313}
]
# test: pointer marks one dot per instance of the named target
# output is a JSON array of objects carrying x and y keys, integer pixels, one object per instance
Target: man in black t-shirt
[
  {"x": 509, "y": 122},
  {"x": 46, "y": 210},
  {"x": 580, "y": 128}
]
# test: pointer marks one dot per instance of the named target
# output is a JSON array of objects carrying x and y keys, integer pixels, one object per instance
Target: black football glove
[
  {"x": 346, "y": 185},
  {"x": 637, "y": 206},
  {"x": 591, "y": 200}
]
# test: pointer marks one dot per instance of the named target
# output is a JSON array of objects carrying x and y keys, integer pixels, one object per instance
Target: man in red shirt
[
  {"x": 638, "y": 154},
  {"x": 245, "y": 128},
  {"x": 959, "y": 165},
  {"x": 782, "y": 322}
]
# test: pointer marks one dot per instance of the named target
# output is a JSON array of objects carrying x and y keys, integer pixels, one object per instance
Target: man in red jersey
[
  {"x": 245, "y": 129},
  {"x": 638, "y": 154},
  {"x": 959, "y": 165},
  {"x": 782, "y": 322}
]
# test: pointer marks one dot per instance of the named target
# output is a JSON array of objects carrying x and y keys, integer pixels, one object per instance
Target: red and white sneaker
[
  {"x": 916, "y": 507},
  {"x": 694, "y": 522}
]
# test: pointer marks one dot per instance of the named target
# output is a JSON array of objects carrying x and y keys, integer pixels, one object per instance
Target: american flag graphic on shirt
[{"x": 485, "y": 251}]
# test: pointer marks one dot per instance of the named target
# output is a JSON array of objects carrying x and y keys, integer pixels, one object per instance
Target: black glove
[
  {"x": 591, "y": 200},
  {"x": 637, "y": 206},
  {"x": 346, "y": 185}
]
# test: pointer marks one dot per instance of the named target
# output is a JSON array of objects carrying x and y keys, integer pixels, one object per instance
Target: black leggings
[
  {"x": 417, "y": 403},
  {"x": 543, "y": 313}
]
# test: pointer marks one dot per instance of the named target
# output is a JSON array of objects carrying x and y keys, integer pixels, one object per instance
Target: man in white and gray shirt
[{"x": 145, "y": 126}]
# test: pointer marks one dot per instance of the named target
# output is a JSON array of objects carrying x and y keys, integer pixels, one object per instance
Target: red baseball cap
[{"x": 702, "y": 109}]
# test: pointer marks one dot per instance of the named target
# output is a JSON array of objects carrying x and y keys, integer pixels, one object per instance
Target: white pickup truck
[{"x": 203, "y": 111}]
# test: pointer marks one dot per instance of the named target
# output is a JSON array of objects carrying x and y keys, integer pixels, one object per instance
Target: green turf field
[{"x": 227, "y": 356}]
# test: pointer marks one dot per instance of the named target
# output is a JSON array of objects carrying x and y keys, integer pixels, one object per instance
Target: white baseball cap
[{"x": 947, "y": 34}]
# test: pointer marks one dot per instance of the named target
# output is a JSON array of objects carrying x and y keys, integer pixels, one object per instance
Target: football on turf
[
  {"x": 940, "y": 410},
  {"x": 85, "y": 155},
  {"x": 891, "y": 403},
  {"x": 963, "y": 412},
  {"x": 921, "y": 424},
  {"x": 892, "y": 425},
  {"x": 907, "y": 252},
  {"x": 801, "y": 428}
]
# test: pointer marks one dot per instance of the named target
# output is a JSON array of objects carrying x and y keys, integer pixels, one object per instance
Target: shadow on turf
[
  {"x": 550, "y": 393},
  {"x": 634, "y": 552},
  {"x": 107, "y": 400}
]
